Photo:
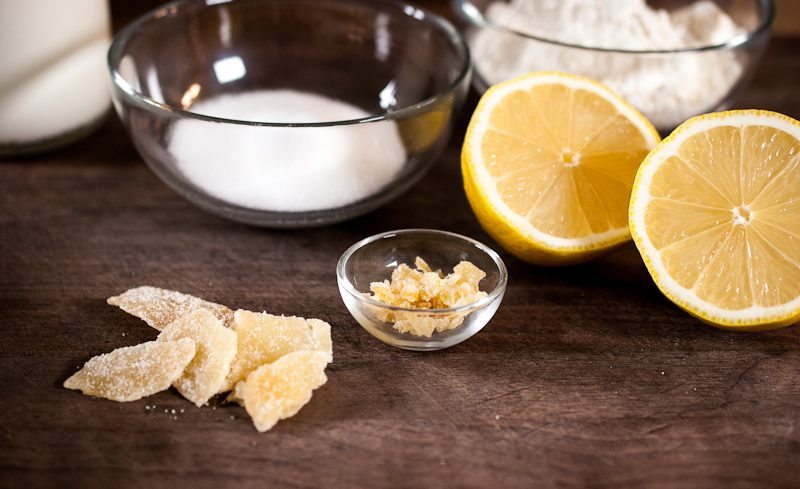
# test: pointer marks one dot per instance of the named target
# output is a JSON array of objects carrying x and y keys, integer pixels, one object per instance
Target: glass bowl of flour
[
  {"x": 670, "y": 59},
  {"x": 289, "y": 113}
]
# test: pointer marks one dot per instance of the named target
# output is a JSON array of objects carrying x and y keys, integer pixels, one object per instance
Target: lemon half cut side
[
  {"x": 548, "y": 162},
  {"x": 715, "y": 214}
]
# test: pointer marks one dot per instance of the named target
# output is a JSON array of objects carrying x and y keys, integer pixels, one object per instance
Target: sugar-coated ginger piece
[
  {"x": 159, "y": 307},
  {"x": 237, "y": 394},
  {"x": 216, "y": 349},
  {"x": 131, "y": 373},
  {"x": 420, "y": 325},
  {"x": 469, "y": 273},
  {"x": 422, "y": 265},
  {"x": 278, "y": 390},
  {"x": 321, "y": 331},
  {"x": 264, "y": 338}
]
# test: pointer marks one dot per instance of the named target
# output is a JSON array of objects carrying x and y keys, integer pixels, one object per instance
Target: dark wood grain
[{"x": 586, "y": 377}]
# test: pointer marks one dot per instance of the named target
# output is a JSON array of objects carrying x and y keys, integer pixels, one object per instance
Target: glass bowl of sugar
[
  {"x": 670, "y": 59},
  {"x": 289, "y": 113},
  {"x": 421, "y": 289}
]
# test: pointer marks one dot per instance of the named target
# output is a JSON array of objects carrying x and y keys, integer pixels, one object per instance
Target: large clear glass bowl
[
  {"x": 373, "y": 259},
  {"x": 666, "y": 86},
  {"x": 405, "y": 68}
]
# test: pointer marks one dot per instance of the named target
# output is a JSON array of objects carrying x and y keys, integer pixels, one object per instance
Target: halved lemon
[
  {"x": 548, "y": 164},
  {"x": 715, "y": 214}
]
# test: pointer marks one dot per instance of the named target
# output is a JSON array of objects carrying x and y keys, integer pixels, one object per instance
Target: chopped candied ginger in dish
[
  {"x": 216, "y": 349},
  {"x": 421, "y": 288},
  {"x": 264, "y": 338},
  {"x": 278, "y": 390},
  {"x": 131, "y": 373},
  {"x": 159, "y": 307}
]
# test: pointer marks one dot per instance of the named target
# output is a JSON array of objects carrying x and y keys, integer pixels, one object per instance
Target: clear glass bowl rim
[
  {"x": 469, "y": 11},
  {"x": 499, "y": 289},
  {"x": 115, "y": 55}
]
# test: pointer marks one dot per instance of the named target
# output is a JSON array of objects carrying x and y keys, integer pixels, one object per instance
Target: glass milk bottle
[{"x": 53, "y": 87}]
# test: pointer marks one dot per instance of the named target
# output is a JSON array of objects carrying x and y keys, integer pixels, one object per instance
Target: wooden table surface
[{"x": 586, "y": 377}]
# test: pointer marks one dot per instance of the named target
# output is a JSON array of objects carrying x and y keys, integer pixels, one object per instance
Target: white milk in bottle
[{"x": 53, "y": 87}]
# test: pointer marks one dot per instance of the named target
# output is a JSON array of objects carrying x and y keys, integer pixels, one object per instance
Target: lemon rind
[{"x": 754, "y": 318}]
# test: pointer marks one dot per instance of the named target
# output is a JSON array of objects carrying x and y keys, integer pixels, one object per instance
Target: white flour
[
  {"x": 667, "y": 89},
  {"x": 286, "y": 169}
]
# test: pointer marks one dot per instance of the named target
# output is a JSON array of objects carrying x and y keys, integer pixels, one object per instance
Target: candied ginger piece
[
  {"x": 382, "y": 291},
  {"x": 382, "y": 314},
  {"x": 432, "y": 287},
  {"x": 420, "y": 325},
  {"x": 321, "y": 331},
  {"x": 159, "y": 307},
  {"x": 216, "y": 349},
  {"x": 131, "y": 373},
  {"x": 409, "y": 290},
  {"x": 237, "y": 394},
  {"x": 447, "y": 296},
  {"x": 421, "y": 265},
  {"x": 264, "y": 338},
  {"x": 469, "y": 273},
  {"x": 402, "y": 273},
  {"x": 278, "y": 390}
]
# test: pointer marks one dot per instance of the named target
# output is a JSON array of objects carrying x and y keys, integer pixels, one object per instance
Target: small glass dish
[
  {"x": 373, "y": 259},
  {"x": 403, "y": 73},
  {"x": 667, "y": 86}
]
